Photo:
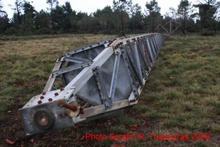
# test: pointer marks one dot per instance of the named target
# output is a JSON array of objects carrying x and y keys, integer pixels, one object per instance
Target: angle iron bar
[
  {"x": 70, "y": 68},
  {"x": 101, "y": 87},
  {"x": 135, "y": 61},
  {"x": 85, "y": 48},
  {"x": 175, "y": 29},
  {"x": 138, "y": 64},
  {"x": 153, "y": 47},
  {"x": 161, "y": 40},
  {"x": 128, "y": 67},
  {"x": 146, "y": 54},
  {"x": 90, "y": 47},
  {"x": 77, "y": 60},
  {"x": 156, "y": 44},
  {"x": 114, "y": 75},
  {"x": 143, "y": 66},
  {"x": 165, "y": 29},
  {"x": 133, "y": 64},
  {"x": 51, "y": 79},
  {"x": 149, "y": 50},
  {"x": 140, "y": 48}
]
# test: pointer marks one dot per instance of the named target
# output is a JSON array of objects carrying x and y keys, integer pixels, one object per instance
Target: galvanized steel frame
[{"x": 97, "y": 79}]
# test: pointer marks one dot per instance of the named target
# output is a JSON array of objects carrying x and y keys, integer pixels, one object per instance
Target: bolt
[
  {"x": 39, "y": 102},
  {"x": 42, "y": 97},
  {"x": 50, "y": 99},
  {"x": 61, "y": 89},
  {"x": 62, "y": 103},
  {"x": 132, "y": 100},
  {"x": 56, "y": 94},
  {"x": 81, "y": 111},
  {"x": 44, "y": 93}
]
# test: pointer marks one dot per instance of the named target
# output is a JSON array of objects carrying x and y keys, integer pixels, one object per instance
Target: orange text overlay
[{"x": 151, "y": 136}]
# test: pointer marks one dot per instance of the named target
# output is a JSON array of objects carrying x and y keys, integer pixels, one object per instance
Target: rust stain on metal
[
  {"x": 62, "y": 103},
  {"x": 39, "y": 102},
  {"x": 50, "y": 99},
  {"x": 111, "y": 42}
]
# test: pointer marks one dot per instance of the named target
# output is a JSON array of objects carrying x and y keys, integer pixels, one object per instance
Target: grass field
[{"x": 181, "y": 96}]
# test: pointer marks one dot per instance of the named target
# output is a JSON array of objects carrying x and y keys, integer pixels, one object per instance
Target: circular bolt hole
[
  {"x": 50, "y": 99},
  {"x": 56, "y": 94},
  {"x": 42, "y": 119},
  {"x": 42, "y": 97},
  {"x": 43, "y": 93},
  {"x": 39, "y": 102}
]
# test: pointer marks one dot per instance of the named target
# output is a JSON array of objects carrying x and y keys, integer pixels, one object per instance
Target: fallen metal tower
[{"x": 91, "y": 81}]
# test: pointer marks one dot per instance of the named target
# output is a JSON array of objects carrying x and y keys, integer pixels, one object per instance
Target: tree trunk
[
  {"x": 184, "y": 26},
  {"x": 122, "y": 25},
  {"x": 153, "y": 23}
]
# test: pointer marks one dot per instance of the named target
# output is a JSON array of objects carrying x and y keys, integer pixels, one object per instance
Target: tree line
[{"x": 123, "y": 17}]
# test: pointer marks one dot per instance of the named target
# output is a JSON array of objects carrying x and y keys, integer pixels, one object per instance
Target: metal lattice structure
[{"x": 89, "y": 82}]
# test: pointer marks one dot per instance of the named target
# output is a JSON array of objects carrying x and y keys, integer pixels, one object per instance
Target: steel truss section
[{"x": 92, "y": 81}]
